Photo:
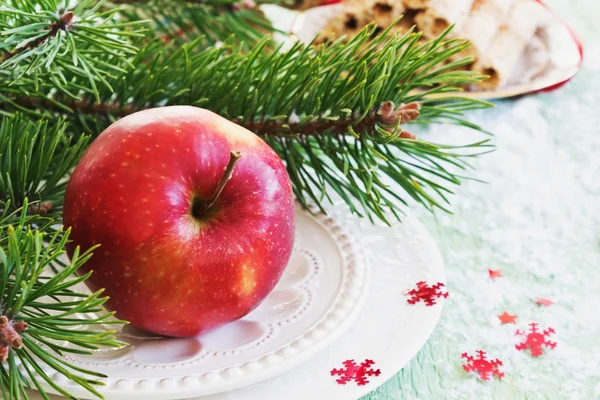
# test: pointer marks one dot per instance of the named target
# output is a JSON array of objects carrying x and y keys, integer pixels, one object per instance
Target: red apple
[{"x": 183, "y": 248}]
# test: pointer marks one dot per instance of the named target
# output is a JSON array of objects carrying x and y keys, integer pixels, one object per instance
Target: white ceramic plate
[
  {"x": 321, "y": 292},
  {"x": 388, "y": 329},
  {"x": 539, "y": 70}
]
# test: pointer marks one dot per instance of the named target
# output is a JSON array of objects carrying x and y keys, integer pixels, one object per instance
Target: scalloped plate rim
[{"x": 191, "y": 385}]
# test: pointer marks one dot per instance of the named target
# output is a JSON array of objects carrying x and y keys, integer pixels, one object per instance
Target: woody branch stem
[
  {"x": 62, "y": 24},
  {"x": 386, "y": 115}
]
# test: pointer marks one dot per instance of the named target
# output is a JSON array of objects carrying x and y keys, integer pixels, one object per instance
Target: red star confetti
[
  {"x": 495, "y": 273},
  {"x": 544, "y": 302},
  {"x": 355, "y": 372},
  {"x": 426, "y": 293},
  {"x": 506, "y": 318},
  {"x": 482, "y": 366},
  {"x": 534, "y": 340}
]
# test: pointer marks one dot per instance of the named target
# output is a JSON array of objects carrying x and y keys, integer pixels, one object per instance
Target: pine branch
[
  {"x": 385, "y": 115},
  {"x": 280, "y": 95},
  {"x": 404, "y": 113},
  {"x": 191, "y": 74},
  {"x": 41, "y": 316},
  {"x": 233, "y": 5},
  {"x": 214, "y": 20},
  {"x": 9, "y": 216},
  {"x": 316, "y": 106},
  {"x": 218, "y": 3},
  {"x": 35, "y": 157},
  {"x": 61, "y": 47},
  {"x": 62, "y": 24}
]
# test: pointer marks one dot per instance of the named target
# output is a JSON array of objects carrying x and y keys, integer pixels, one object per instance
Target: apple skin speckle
[{"x": 157, "y": 262}]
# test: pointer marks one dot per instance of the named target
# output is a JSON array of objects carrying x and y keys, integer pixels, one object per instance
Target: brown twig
[
  {"x": 403, "y": 114},
  {"x": 387, "y": 115},
  {"x": 61, "y": 25},
  {"x": 81, "y": 106}
]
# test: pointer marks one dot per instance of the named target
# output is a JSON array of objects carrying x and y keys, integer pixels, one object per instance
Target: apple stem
[{"x": 234, "y": 156}]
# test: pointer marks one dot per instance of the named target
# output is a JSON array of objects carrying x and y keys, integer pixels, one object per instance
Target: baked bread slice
[{"x": 499, "y": 30}]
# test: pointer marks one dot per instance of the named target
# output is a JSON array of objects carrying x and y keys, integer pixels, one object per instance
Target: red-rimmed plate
[{"x": 553, "y": 58}]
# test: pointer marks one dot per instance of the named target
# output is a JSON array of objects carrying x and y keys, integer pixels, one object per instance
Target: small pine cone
[
  {"x": 243, "y": 5},
  {"x": 40, "y": 209},
  {"x": 407, "y": 135},
  {"x": 9, "y": 335},
  {"x": 4, "y": 349},
  {"x": 403, "y": 114}
]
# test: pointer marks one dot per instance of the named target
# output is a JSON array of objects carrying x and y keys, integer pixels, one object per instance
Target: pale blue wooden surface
[{"x": 538, "y": 220}]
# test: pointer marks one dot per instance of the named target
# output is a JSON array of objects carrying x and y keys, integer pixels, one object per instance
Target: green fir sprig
[
  {"x": 42, "y": 315},
  {"x": 35, "y": 157},
  {"x": 183, "y": 21},
  {"x": 317, "y": 106},
  {"x": 47, "y": 47}
]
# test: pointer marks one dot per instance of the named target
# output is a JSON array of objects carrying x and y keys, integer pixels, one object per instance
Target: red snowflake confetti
[
  {"x": 495, "y": 273},
  {"x": 358, "y": 373},
  {"x": 482, "y": 365},
  {"x": 544, "y": 302},
  {"x": 535, "y": 340},
  {"x": 506, "y": 318},
  {"x": 426, "y": 293}
]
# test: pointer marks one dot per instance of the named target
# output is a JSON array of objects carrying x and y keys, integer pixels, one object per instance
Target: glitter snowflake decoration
[
  {"x": 427, "y": 293},
  {"x": 535, "y": 340},
  {"x": 482, "y": 366},
  {"x": 353, "y": 371}
]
